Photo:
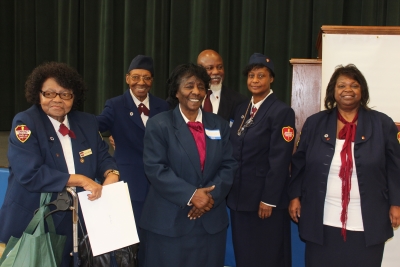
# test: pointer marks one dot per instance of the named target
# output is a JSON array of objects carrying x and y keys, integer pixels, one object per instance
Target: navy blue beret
[
  {"x": 258, "y": 58},
  {"x": 142, "y": 62}
]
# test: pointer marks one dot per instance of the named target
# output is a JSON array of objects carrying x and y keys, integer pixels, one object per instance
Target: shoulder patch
[
  {"x": 288, "y": 133},
  {"x": 22, "y": 132}
]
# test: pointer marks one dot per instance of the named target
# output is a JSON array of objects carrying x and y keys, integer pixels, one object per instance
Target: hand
[
  {"x": 294, "y": 209},
  {"x": 195, "y": 213},
  {"x": 202, "y": 202},
  {"x": 87, "y": 184},
  {"x": 111, "y": 140},
  {"x": 93, "y": 187},
  {"x": 394, "y": 214},
  {"x": 264, "y": 211}
]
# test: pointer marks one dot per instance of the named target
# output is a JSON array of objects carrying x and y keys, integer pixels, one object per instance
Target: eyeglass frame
[
  {"x": 247, "y": 124},
  {"x": 56, "y": 94},
  {"x": 145, "y": 78}
]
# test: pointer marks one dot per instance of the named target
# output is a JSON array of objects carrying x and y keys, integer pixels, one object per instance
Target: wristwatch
[{"x": 112, "y": 171}]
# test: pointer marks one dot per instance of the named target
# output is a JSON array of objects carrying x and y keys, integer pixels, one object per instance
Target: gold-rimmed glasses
[{"x": 136, "y": 78}]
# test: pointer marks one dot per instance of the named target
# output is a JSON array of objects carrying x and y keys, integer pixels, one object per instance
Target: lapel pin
[
  {"x": 326, "y": 135},
  {"x": 242, "y": 116},
  {"x": 57, "y": 155},
  {"x": 363, "y": 137},
  {"x": 51, "y": 138},
  {"x": 131, "y": 113},
  {"x": 82, "y": 160}
]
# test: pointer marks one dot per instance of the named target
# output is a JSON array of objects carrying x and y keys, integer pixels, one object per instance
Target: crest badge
[
  {"x": 288, "y": 133},
  {"x": 22, "y": 132}
]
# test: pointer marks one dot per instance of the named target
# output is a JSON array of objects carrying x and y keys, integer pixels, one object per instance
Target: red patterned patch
[
  {"x": 288, "y": 133},
  {"x": 22, "y": 132}
]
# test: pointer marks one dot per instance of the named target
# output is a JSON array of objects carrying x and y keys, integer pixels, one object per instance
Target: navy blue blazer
[
  {"x": 377, "y": 161},
  {"x": 38, "y": 165},
  {"x": 263, "y": 155},
  {"x": 172, "y": 165},
  {"x": 230, "y": 99},
  {"x": 121, "y": 117}
]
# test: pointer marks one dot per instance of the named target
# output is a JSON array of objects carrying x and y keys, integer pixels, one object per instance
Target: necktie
[
  {"x": 198, "y": 133},
  {"x": 64, "y": 131},
  {"x": 143, "y": 109},
  {"x": 207, "y": 102},
  {"x": 348, "y": 133},
  {"x": 253, "y": 112}
]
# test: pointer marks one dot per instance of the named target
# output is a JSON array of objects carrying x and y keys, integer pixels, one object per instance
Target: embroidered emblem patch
[
  {"x": 398, "y": 137},
  {"x": 22, "y": 132},
  {"x": 288, "y": 133}
]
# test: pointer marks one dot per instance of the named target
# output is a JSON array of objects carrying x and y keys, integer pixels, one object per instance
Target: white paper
[{"x": 109, "y": 220}]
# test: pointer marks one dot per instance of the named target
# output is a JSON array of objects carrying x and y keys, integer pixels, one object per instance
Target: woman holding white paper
[{"x": 52, "y": 145}]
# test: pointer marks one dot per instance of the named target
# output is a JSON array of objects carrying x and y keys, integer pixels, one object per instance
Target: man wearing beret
[
  {"x": 125, "y": 117},
  {"x": 220, "y": 99}
]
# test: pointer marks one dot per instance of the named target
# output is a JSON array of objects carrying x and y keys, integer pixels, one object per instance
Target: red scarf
[{"x": 348, "y": 133}]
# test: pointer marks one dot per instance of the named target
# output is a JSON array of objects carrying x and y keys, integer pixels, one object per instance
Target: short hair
[
  {"x": 256, "y": 66},
  {"x": 63, "y": 74},
  {"x": 350, "y": 71},
  {"x": 180, "y": 72}
]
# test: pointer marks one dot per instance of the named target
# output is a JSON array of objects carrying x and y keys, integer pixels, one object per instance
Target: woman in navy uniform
[
  {"x": 346, "y": 177},
  {"x": 188, "y": 161},
  {"x": 262, "y": 137},
  {"x": 52, "y": 145}
]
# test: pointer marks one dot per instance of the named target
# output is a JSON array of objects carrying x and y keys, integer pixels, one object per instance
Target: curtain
[{"x": 100, "y": 37}]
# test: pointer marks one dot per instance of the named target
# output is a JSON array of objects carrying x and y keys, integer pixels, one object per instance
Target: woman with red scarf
[{"x": 345, "y": 185}]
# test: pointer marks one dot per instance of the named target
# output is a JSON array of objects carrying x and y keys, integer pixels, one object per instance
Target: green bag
[{"x": 35, "y": 247}]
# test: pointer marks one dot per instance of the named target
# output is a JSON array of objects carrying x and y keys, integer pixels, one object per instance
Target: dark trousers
[{"x": 260, "y": 243}]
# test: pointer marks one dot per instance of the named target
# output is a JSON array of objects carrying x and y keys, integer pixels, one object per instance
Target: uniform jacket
[
  {"x": 230, "y": 99},
  {"x": 38, "y": 165},
  {"x": 121, "y": 117},
  {"x": 172, "y": 165},
  {"x": 263, "y": 155},
  {"x": 377, "y": 161}
]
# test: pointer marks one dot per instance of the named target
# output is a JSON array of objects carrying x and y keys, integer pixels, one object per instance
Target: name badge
[
  {"x": 85, "y": 153},
  {"x": 230, "y": 123},
  {"x": 213, "y": 134}
]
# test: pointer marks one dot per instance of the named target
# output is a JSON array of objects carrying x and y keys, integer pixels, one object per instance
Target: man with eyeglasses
[
  {"x": 220, "y": 99},
  {"x": 125, "y": 117}
]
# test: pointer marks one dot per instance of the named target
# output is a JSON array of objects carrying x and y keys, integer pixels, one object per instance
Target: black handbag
[{"x": 123, "y": 257}]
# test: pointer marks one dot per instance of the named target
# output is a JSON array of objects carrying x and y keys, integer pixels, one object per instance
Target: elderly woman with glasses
[
  {"x": 51, "y": 146},
  {"x": 262, "y": 136}
]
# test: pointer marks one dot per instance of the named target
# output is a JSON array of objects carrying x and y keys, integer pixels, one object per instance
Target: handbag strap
[{"x": 38, "y": 218}]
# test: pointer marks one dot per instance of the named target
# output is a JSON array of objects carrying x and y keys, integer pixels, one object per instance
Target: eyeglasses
[
  {"x": 136, "y": 78},
  {"x": 259, "y": 76},
  {"x": 247, "y": 124},
  {"x": 63, "y": 95}
]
